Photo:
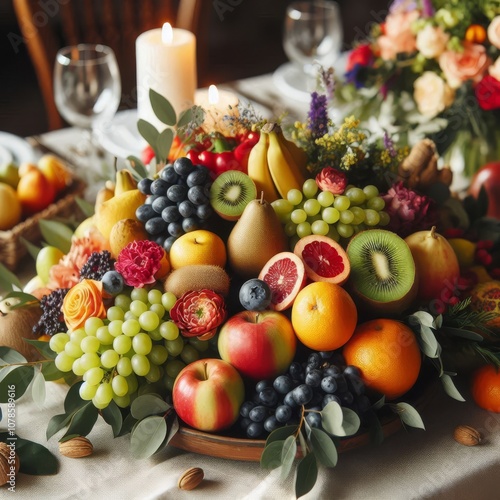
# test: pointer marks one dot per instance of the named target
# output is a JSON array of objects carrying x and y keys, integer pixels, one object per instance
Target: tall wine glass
[
  {"x": 312, "y": 33},
  {"x": 87, "y": 88}
]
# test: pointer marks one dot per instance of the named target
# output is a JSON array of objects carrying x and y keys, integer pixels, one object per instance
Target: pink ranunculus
[
  {"x": 494, "y": 32},
  {"x": 139, "y": 261},
  {"x": 471, "y": 64},
  {"x": 398, "y": 36},
  {"x": 199, "y": 313},
  {"x": 331, "y": 179},
  {"x": 488, "y": 93}
]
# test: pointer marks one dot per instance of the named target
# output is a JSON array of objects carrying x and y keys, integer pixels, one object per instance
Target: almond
[
  {"x": 76, "y": 447},
  {"x": 191, "y": 478},
  {"x": 467, "y": 435}
]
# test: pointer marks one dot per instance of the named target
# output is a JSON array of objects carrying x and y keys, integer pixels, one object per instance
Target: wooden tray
[{"x": 250, "y": 450}]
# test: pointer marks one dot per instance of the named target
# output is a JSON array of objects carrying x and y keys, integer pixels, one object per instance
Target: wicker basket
[{"x": 12, "y": 248}]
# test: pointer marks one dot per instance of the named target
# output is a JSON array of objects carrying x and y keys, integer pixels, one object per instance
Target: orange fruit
[
  {"x": 35, "y": 191},
  {"x": 486, "y": 388},
  {"x": 198, "y": 247},
  {"x": 164, "y": 268},
  {"x": 388, "y": 355},
  {"x": 324, "y": 316}
]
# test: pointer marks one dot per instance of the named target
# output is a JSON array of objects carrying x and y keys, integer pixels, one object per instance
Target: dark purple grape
[
  {"x": 347, "y": 398},
  {"x": 262, "y": 384},
  {"x": 197, "y": 177},
  {"x": 244, "y": 423},
  {"x": 246, "y": 407},
  {"x": 302, "y": 394},
  {"x": 328, "y": 384},
  {"x": 313, "y": 378},
  {"x": 150, "y": 199},
  {"x": 190, "y": 224},
  {"x": 161, "y": 203},
  {"x": 269, "y": 397},
  {"x": 169, "y": 241},
  {"x": 177, "y": 193},
  {"x": 352, "y": 370},
  {"x": 296, "y": 372},
  {"x": 326, "y": 354},
  {"x": 170, "y": 214},
  {"x": 332, "y": 370},
  {"x": 159, "y": 187},
  {"x": 283, "y": 384},
  {"x": 255, "y": 430},
  {"x": 314, "y": 360},
  {"x": 356, "y": 385},
  {"x": 155, "y": 226},
  {"x": 144, "y": 185},
  {"x": 283, "y": 414},
  {"x": 341, "y": 382},
  {"x": 160, "y": 240},
  {"x": 175, "y": 229},
  {"x": 145, "y": 212},
  {"x": 197, "y": 195},
  {"x": 186, "y": 208},
  {"x": 289, "y": 400},
  {"x": 329, "y": 398},
  {"x": 205, "y": 211},
  {"x": 168, "y": 174},
  {"x": 258, "y": 413},
  {"x": 271, "y": 423},
  {"x": 317, "y": 397},
  {"x": 183, "y": 166},
  {"x": 313, "y": 419}
]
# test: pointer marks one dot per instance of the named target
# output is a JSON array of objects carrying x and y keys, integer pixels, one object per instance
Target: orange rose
[
  {"x": 398, "y": 36},
  {"x": 471, "y": 64},
  {"x": 83, "y": 301}
]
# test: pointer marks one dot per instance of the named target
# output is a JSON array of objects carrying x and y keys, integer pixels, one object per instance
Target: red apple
[
  {"x": 259, "y": 344},
  {"x": 207, "y": 394},
  {"x": 489, "y": 177}
]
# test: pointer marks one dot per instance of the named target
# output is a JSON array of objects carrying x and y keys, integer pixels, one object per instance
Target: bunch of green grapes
[
  {"x": 136, "y": 343},
  {"x": 312, "y": 211}
]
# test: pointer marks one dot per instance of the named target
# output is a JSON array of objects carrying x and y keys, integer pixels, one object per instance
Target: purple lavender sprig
[{"x": 318, "y": 115}]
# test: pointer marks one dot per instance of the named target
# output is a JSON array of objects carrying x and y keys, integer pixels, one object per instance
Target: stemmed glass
[
  {"x": 312, "y": 34},
  {"x": 87, "y": 88}
]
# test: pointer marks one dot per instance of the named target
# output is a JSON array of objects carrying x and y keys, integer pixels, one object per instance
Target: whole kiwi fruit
[{"x": 197, "y": 277}]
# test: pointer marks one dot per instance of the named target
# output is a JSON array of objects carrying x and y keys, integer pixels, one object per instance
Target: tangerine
[
  {"x": 486, "y": 388},
  {"x": 324, "y": 316},
  {"x": 388, "y": 355}
]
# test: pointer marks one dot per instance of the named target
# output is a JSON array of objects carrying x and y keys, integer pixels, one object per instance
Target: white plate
[{"x": 15, "y": 149}]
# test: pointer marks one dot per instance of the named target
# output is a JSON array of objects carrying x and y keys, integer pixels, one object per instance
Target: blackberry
[
  {"x": 97, "y": 265},
  {"x": 51, "y": 320}
]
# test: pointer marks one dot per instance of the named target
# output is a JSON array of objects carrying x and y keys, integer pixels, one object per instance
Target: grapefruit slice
[
  {"x": 324, "y": 259},
  {"x": 286, "y": 276}
]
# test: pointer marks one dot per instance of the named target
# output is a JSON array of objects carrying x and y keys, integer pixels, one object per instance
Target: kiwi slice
[
  {"x": 231, "y": 192},
  {"x": 382, "y": 269}
]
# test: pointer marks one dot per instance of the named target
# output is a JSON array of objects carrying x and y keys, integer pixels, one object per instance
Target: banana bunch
[{"x": 275, "y": 164}]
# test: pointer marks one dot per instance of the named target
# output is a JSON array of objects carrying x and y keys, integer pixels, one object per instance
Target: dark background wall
[{"x": 245, "y": 41}]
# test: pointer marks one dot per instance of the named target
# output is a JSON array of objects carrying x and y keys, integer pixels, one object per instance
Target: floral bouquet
[{"x": 432, "y": 68}]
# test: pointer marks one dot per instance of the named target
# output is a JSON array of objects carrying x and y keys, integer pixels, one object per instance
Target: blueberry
[
  {"x": 313, "y": 378},
  {"x": 258, "y": 413},
  {"x": 159, "y": 187},
  {"x": 168, "y": 174},
  {"x": 144, "y": 185},
  {"x": 190, "y": 224},
  {"x": 170, "y": 214},
  {"x": 175, "y": 229},
  {"x": 283, "y": 414},
  {"x": 255, "y": 429},
  {"x": 197, "y": 195},
  {"x": 155, "y": 226},
  {"x": 352, "y": 370},
  {"x": 329, "y": 398},
  {"x": 145, "y": 212},
  {"x": 160, "y": 203},
  {"x": 255, "y": 295},
  {"x": 183, "y": 166},
  {"x": 268, "y": 397},
  {"x": 313, "y": 419},
  {"x": 314, "y": 360},
  {"x": 283, "y": 384},
  {"x": 204, "y": 212},
  {"x": 261, "y": 385},
  {"x": 271, "y": 423},
  {"x": 112, "y": 282},
  {"x": 169, "y": 241},
  {"x": 329, "y": 384},
  {"x": 177, "y": 193},
  {"x": 246, "y": 407},
  {"x": 186, "y": 208},
  {"x": 302, "y": 394}
]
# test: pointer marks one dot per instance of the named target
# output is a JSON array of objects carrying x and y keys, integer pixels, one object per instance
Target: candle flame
[
  {"x": 167, "y": 33},
  {"x": 213, "y": 94}
]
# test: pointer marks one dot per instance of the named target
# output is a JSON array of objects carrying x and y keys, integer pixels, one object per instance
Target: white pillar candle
[
  {"x": 217, "y": 104},
  {"x": 166, "y": 62}
]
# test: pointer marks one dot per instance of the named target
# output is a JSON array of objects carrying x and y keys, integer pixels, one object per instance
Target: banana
[
  {"x": 284, "y": 170},
  {"x": 258, "y": 170},
  {"x": 124, "y": 181}
]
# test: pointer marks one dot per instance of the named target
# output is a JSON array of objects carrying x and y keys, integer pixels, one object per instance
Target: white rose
[
  {"x": 494, "y": 32},
  {"x": 431, "y": 41},
  {"x": 494, "y": 69},
  {"x": 432, "y": 94}
]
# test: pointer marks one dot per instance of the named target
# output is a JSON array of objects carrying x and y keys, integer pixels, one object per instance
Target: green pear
[{"x": 9, "y": 173}]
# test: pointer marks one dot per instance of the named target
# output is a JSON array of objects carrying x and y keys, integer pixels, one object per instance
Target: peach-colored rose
[
  {"x": 431, "y": 41},
  {"x": 83, "y": 301},
  {"x": 494, "y": 32},
  {"x": 471, "y": 64},
  {"x": 432, "y": 94},
  {"x": 398, "y": 36},
  {"x": 494, "y": 69}
]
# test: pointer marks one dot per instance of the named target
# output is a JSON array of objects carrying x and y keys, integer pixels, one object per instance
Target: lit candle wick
[
  {"x": 167, "y": 34},
  {"x": 213, "y": 95}
]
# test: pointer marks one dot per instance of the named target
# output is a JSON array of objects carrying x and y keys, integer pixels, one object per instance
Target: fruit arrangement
[{"x": 187, "y": 295}]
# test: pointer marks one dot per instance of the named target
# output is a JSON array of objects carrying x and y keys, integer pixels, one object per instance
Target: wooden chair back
[{"x": 48, "y": 26}]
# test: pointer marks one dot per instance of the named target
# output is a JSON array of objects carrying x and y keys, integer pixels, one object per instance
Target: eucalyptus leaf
[
  {"x": 375, "y": 429},
  {"x": 307, "y": 474},
  {"x": 164, "y": 143},
  {"x": 56, "y": 234},
  {"x": 25, "y": 299},
  {"x": 424, "y": 318},
  {"x": 429, "y": 343},
  {"x": 462, "y": 333},
  {"x": 83, "y": 420},
  {"x": 8, "y": 279},
  {"x": 438, "y": 322},
  {"x": 303, "y": 442},
  {"x": 173, "y": 429},
  {"x": 32, "y": 249},
  {"x": 87, "y": 208},
  {"x": 271, "y": 455},
  {"x": 43, "y": 348},
  {"x": 113, "y": 417},
  {"x": 56, "y": 423},
  {"x": 34, "y": 458},
  {"x": 185, "y": 118},
  {"x": 128, "y": 423},
  {"x": 38, "y": 392},
  {"x": 351, "y": 421},
  {"x": 379, "y": 403},
  {"x": 281, "y": 433},
  {"x": 148, "y": 404},
  {"x": 162, "y": 108},
  {"x": 149, "y": 133},
  {"x": 138, "y": 169},
  {"x": 331, "y": 419},
  {"x": 147, "y": 436},
  {"x": 288, "y": 454},
  {"x": 9, "y": 356},
  {"x": 409, "y": 415},
  {"x": 21, "y": 378},
  {"x": 323, "y": 447},
  {"x": 73, "y": 401},
  {"x": 6, "y": 370},
  {"x": 450, "y": 388},
  {"x": 51, "y": 372}
]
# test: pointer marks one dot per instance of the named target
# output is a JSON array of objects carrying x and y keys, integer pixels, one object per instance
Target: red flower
[
  {"x": 139, "y": 261},
  {"x": 362, "y": 55},
  {"x": 331, "y": 179},
  {"x": 488, "y": 93},
  {"x": 199, "y": 313}
]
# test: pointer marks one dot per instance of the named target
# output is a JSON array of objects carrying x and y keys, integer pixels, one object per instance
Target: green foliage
[{"x": 57, "y": 234}]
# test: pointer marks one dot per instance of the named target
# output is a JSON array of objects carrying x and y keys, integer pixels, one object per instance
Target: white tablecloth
[{"x": 408, "y": 465}]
